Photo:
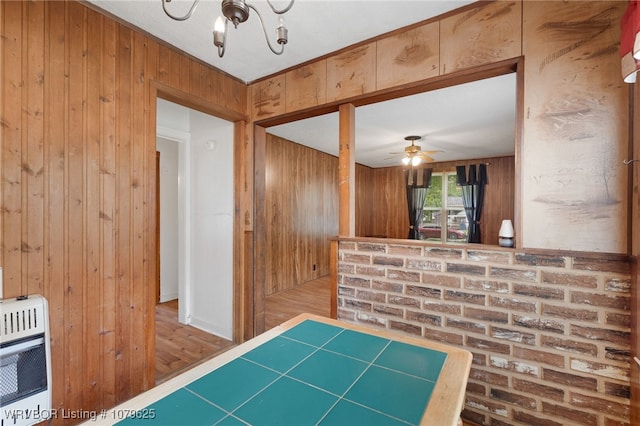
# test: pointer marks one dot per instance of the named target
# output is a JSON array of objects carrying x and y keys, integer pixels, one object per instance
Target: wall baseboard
[
  {"x": 165, "y": 297},
  {"x": 209, "y": 328}
]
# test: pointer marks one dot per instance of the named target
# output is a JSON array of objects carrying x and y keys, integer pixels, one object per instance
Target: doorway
[
  {"x": 195, "y": 236},
  {"x": 170, "y": 232},
  {"x": 174, "y": 212}
]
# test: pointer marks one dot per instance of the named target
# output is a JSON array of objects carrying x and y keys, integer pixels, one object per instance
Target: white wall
[
  {"x": 212, "y": 224},
  {"x": 209, "y": 292},
  {"x": 169, "y": 255}
]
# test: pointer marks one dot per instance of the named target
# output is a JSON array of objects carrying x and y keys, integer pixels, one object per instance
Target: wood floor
[
  {"x": 313, "y": 297},
  {"x": 180, "y": 346}
]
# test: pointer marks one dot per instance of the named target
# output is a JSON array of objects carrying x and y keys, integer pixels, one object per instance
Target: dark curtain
[
  {"x": 418, "y": 181},
  {"x": 473, "y": 197}
]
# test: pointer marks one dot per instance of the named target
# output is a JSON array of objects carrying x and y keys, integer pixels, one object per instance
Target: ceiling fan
[{"x": 413, "y": 154}]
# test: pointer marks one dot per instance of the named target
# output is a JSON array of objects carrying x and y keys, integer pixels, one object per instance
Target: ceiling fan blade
[{"x": 415, "y": 150}]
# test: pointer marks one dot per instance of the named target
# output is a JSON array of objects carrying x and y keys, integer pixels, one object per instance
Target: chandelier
[{"x": 237, "y": 11}]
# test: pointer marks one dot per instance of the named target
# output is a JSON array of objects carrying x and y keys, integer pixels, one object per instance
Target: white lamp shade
[
  {"x": 506, "y": 229},
  {"x": 219, "y": 25}
]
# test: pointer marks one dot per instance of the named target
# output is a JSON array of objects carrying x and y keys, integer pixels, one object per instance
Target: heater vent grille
[
  {"x": 25, "y": 361},
  {"x": 21, "y": 319}
]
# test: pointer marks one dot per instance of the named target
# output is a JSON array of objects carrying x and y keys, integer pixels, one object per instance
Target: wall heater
[{"x": 25, "y": 361}]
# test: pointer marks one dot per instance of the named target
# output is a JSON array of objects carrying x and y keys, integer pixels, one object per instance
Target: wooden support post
[
  {"x": 347, "y": 171},
  {"x": 257, "y": 290}
]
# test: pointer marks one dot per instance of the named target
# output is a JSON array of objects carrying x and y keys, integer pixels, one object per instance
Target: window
[{"x": 443, "y": 205}]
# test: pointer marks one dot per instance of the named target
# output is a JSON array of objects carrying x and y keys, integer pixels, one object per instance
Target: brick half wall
[{"x": 549, "y": 331}]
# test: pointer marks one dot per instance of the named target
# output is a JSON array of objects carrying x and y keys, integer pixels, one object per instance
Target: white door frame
[{"x": 184, "y": 219}]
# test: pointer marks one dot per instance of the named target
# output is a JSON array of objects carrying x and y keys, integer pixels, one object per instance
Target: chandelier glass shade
[{"x": 236, "y": 12}]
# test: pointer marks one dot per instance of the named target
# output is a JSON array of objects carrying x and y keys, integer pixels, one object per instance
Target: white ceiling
[
  {"x": 471, "y": 121},
  {"x": 316, "y": 28}
]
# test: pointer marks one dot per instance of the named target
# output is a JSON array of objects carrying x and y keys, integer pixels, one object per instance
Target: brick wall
[{"x": 549, "y": 331}]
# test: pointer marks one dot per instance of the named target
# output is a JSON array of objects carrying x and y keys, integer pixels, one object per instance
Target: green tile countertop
[{"x": 315, "y": 372}]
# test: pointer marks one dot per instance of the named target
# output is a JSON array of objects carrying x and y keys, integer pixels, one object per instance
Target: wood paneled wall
[
  {"x": 575, "y": 102},
  {"x": 365, "y": 221},
  {"x": 301, "y": 207},
  {"x": 634, "y": 178},
  {"x": 422, "y": 52},
  {"x": 78, "y": 93},
  {"x": 301, "y": 203},
  {"x": 575, "y": 129},
  {"x": 388, "y": 208},
  {"x": 385, "y": 215}
]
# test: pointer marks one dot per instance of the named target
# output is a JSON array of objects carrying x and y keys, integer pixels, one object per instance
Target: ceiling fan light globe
[
  {"x": 406, "y": 160},
  {"x": 416, "y": 161}
]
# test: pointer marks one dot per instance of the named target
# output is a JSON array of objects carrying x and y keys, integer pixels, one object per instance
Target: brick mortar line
[
  {"x": 567, "y": 400},
  {"x": 568, "y": 293},
  {"x": 599, "y": 345},
  {"x": 541, "y": 269},
  {"x": 464, "y": 256},
  {"x": 509, "y": 324},
  {"x": 540, "y": 303}
]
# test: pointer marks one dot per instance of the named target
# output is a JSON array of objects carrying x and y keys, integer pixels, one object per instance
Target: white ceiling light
[
  {"x": 413, "y": 160},
  {"x": 237, "y": 11},
  {"x": 413, "y": 154}
]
